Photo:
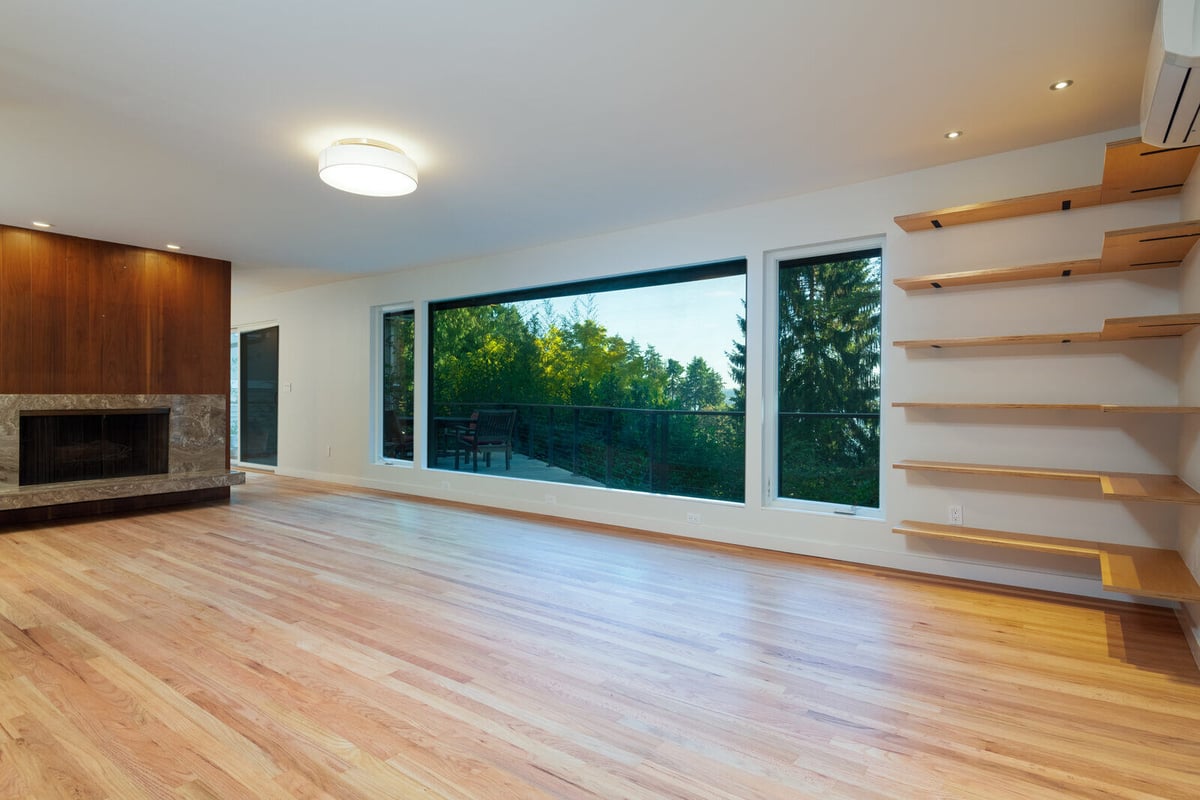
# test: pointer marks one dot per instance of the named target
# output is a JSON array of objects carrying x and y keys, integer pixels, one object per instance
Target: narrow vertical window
[
  {"x": 828, "y": 381},
  {"x": 396, "y": 427}
]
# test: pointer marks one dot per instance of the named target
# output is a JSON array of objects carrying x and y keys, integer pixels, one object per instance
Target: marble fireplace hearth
[{"x": 195, "y": 457}]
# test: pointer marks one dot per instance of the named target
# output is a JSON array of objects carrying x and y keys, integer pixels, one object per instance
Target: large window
[
  {"x": 629, "y": 382},
  {"x": 396, "y": 428},
  {"x": 828, "y": 378}
]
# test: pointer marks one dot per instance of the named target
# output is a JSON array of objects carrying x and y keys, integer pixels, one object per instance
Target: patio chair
[
  {"x": 490, "y": 432},
  {"x": 398, "y": 435}
]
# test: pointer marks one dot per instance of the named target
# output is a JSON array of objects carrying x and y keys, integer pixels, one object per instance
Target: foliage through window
[
  {"x": 621, "y": 382},
  {"x": 397, "y": 424},
  {"x": 828, "y": 401}
]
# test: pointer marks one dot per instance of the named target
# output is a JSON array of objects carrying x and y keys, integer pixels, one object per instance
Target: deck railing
[
  {"x": 693, "y": 453},
  {"x": 663, "y": 451}
]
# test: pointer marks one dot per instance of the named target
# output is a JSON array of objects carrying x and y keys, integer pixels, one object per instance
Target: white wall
[
  {"x": 325, "y": 355},
  {"x": 1189, "y": 394}
]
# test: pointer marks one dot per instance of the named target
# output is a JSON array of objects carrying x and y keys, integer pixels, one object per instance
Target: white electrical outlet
[
  {"x": 954, "y": 515},
  {"x": 551, "y": 500},
  {"x": 693, "y": 518}
]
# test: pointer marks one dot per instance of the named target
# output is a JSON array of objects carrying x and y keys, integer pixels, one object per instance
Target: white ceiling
[{"x": 199, "y": 121}]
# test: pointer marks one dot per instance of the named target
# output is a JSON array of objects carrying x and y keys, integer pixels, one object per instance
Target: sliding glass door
[{"x": 254, "y": 399}]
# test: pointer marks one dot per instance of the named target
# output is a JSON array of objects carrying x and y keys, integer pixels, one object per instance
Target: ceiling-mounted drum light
[{"x": 367, "y": 166}]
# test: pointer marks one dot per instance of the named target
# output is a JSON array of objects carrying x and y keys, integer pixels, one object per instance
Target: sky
[{"x": 655, "y": 315}]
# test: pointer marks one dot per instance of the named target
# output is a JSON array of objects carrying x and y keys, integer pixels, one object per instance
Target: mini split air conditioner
[{"x": 1171, "y": 93}]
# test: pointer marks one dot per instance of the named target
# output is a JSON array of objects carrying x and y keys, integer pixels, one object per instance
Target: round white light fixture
[
  {"x": 953, "y": 134},
  {"x": 1058, "y": 86},
  {"x": 174, "y": 247},
  {"x": 367, "y": 166},
  {"x": 39, "y": 224}
]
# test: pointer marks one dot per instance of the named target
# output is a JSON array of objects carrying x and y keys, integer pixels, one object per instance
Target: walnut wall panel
[
  {"x": 81, "y": 316},
  {"x": 129, "y": 292},
  {"x": 182, "y": 341},
  {"x": 75, "y": 280},
  {"x": 16, "y": 304}
]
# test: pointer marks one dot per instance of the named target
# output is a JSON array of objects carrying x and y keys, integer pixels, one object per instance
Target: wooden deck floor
[
  {"x": 521, "y": 467},
  {"x": 305, "y": 641}
]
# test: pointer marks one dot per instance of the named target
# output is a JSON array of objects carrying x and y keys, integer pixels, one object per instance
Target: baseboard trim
[{"x": 1191, "y": 628}]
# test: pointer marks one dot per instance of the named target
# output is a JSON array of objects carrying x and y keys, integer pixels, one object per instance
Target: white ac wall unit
[{"x": 1171, "y": 93}]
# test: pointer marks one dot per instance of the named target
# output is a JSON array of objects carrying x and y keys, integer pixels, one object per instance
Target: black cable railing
[
  {"x": 823, "y": 456},
  {"x": 662, "y": 451}
]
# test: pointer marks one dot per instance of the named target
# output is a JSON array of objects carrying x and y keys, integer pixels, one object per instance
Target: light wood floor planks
[{"x": 308, "y": 641}]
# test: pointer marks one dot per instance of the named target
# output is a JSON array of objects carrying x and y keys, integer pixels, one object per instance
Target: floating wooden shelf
[
  {"x": 1149, "y": 247},
  {"x": 1132, "y": 249},
  {"x": 1113, "y": 485},
  {"x": 1101, "y": 407},
  {"x": 1123, "y": 329},
  {"x": 1147, "y": 572},
  {"x": 1142, "y": 571},
  {"x": 1152, "y": 488},
  {"x": 1118, "y": 329},
  {"x": 978, "y": 277},
  {"x": 1060, "y": 200},
  {"x": 1132, "y": 171},
  {"x": 994, "y": 341},
  {"x": 1016, "y": 541},
  {"x": 1000, "y": 471}
]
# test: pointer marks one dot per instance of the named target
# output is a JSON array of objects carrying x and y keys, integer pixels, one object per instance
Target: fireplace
[
  {"x": 58, "y": 446},
  {"x": 110, "y": 452}
]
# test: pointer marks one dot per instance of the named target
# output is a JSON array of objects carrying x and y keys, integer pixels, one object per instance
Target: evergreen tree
[
  {"x": 737, "y": 364},
  {"x": 701, "y": 388},
  {"x": 829, "y": 362}
]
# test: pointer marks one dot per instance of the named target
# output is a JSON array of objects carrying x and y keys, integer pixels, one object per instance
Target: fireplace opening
[{"x": 61, "y": 446}]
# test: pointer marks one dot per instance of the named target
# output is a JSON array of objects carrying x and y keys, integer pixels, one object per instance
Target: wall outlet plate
[{"x": 954, "y": 515}]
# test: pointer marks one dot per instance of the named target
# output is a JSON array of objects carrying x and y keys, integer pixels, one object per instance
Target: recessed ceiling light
[
  {"x": 367, "y": 166},
  {"x": 39, "y": 224},
  {"x": 953, "y": 134},
  {"x": 1058, "y": 86},
  {"x": 174, "y": 247}
]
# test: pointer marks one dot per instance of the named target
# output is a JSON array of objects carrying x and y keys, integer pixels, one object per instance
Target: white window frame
[
  {"x": 238, "y": 330},
  {"x": 375, "y": 429},
  {"x": 770, "y": 317}
]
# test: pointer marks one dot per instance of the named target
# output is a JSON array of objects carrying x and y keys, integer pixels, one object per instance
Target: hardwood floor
[{"x": 308, "y": 641}]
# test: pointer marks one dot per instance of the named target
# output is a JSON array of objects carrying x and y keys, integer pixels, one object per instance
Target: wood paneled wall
[{"x": 79, "y": 316}]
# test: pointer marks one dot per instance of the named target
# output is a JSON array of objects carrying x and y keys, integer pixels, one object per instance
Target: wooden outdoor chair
[
  {"x": 398, "y": 436},
  {"x": 490, "y": 432}
]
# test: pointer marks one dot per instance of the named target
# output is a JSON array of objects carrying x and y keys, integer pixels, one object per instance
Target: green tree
[
  {"x": 674, "y": 383},
  {"x": 648, "y": 378},
  {"x": 701, "y": 388},
  {"x": 398, "y": 363},
  {"x": 528, "y": 354},
  {"x": 737, "y": 364},
  {"x": 829, "y": 364},
  {"x": 483, "y": 354}
]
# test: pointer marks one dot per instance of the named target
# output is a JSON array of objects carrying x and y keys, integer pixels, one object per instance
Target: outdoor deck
[{"x": 522, "y": 467}]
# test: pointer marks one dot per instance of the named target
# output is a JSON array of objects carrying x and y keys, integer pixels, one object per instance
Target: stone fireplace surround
[{"x": 195, "y": 458}]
